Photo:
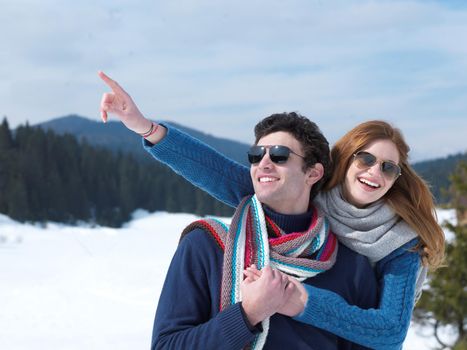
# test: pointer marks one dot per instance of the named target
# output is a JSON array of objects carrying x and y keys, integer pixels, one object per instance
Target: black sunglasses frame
[
  {"x": 277, "y": 153},
  {"x": 389, "y": 169}
]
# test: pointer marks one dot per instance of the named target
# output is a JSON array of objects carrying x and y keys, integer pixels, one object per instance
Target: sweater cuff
[
  {"x": 164, "y": 143},
  {"x": 234, "y": 328},
  {"x": 301, "y": 317},
  {"x": 253, "y": 329}
]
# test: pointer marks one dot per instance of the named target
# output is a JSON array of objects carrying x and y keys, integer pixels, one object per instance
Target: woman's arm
[
  {"x": 197, "y": 162},
  {"x": 382, "y": 328},
  {"x": 203, "y": 166}
]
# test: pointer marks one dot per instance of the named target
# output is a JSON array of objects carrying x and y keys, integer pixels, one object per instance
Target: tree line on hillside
[
  {"x": 50, "y": 177},
  {"x": 437, "y": 173}
]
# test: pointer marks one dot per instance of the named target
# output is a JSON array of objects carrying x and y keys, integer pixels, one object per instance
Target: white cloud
[{"x": 235, "y": 62}]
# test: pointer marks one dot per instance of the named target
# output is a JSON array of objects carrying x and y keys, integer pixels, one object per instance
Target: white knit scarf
[{"x": 374, "y": 231}]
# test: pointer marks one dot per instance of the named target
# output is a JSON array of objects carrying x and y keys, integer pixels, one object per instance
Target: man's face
[{"x": 285, "y": 188}]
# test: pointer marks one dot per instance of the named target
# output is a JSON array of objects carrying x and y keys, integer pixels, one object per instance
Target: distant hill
[
  {"x": 437, "y": 171},
  {"x": 115, "y": 136}
]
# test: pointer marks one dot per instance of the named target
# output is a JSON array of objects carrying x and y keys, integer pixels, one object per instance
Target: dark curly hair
[{"x": 313, "y": 142}]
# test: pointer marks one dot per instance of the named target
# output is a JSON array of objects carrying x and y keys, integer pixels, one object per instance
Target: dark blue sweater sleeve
[
  {"x": 187, "y": 315},
  {"x": 203, "y": 166},
  {"x": 382, "y": 328}
]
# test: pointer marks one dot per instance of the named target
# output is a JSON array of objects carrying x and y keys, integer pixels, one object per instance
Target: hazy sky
[{"x": 220, "y": 66}]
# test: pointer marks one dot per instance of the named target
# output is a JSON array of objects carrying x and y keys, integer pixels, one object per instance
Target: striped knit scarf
[{"x": 246, "y": 242}]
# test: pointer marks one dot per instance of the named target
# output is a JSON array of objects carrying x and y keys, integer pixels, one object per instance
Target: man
[{"x": 206, "y": 304}]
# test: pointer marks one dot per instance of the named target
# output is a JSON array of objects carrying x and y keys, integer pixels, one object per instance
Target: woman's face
[{"x": 366, "y": 184}]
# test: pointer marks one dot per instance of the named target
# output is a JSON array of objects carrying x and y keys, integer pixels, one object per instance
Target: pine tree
[
  {"x": 6, "y": 139},
  {"x": 6, "y": 154},
  {"x": 445, "y": 303},
  {"x": 17, "y": 197}
]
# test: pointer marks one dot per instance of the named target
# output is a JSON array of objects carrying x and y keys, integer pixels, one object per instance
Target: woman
[{"x": 376, "y": 203}]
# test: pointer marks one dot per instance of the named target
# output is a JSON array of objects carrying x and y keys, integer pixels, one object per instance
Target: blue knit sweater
[
  {"x": 384, "y": 327},
  {"x": 188, "y": 315}
]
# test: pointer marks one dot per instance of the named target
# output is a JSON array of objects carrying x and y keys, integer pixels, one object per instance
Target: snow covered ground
[{"x": 65, "y": 287}]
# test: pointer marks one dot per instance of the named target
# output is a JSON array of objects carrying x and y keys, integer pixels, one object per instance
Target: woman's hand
[
  {"x": 118, "y": 102},
  {"x": 297, "y": 300},
  {"x": 262, "y": 297}
]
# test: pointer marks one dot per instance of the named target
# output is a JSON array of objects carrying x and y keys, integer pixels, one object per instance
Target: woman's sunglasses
[
  {"x": 366, "y": 160},
  {"x": 278, "y": 154}
]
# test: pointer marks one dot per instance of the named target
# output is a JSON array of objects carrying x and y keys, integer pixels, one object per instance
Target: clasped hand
[{"x": 270, "y": 291}]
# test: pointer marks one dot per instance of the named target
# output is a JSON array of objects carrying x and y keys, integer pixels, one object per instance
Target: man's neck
[{"x": 290, "y": 222}]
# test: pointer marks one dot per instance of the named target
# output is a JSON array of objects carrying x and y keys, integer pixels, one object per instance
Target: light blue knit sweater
[{"x": 229, "y": 181}]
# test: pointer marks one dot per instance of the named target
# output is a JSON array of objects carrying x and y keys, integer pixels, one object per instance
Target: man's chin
[{"x": 266, "y": 199}]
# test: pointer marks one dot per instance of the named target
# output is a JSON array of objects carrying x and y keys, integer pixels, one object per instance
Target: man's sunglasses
[
  {"x": 366, "y": 160},
  {"x": 278, "y": 154}
]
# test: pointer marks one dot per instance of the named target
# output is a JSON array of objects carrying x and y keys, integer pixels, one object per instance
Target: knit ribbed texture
[
  {"x": 234, "y": 329},
  {"x": 374, "y": 231},
  {"x": 382, "y": 328}
]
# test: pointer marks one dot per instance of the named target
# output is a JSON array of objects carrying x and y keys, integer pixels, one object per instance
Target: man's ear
[{"x": 314, "y": 174}]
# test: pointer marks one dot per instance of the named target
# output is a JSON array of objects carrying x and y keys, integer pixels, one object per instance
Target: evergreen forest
[{"x": 49, "y": 177}]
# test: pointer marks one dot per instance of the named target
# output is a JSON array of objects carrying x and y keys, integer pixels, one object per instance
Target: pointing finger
[{"x": 111, "y": 83}]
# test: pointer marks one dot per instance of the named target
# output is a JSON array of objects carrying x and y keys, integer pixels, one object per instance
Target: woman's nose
[{"x": 375, "y": 169}]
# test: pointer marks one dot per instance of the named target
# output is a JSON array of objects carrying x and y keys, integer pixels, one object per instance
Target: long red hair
[{"x": 409, "y": 196}]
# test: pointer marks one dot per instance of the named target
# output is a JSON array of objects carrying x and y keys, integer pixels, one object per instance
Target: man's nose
[{"x": 265, "y": 162}]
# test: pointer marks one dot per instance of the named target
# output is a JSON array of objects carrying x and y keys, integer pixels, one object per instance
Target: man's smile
[{"x": 267, "y": 179}]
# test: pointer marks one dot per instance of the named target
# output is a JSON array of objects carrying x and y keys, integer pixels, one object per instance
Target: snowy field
[{"x": 65, "y": 287}]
